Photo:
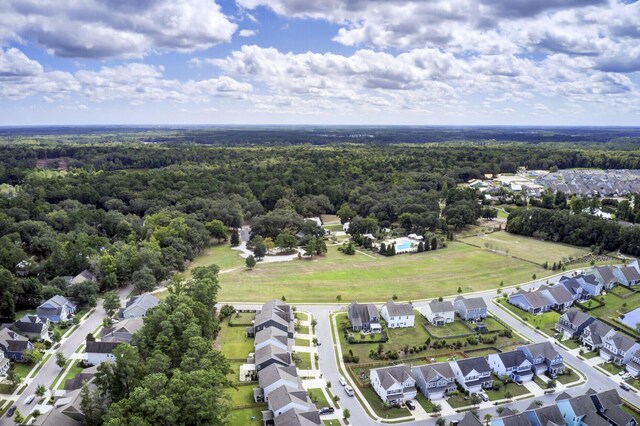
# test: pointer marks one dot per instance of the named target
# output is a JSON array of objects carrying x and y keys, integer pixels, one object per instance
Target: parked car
[
  {"x": 624, "y": 386},
  {"x": 349, "y": 390},
  {"x": 326, "y": 410},
  {"x": 11, "y": 411},
  {"x": 29, "y": 399},
  {"x": 483, "y": 396},
  {"x": 622, "y": 373},
  {"x": 410, "y": 405},
  {"x": 342, "y": 381}
]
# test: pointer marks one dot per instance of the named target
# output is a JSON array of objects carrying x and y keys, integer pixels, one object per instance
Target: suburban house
[
  {"x": 618, "y": 349},
  {"x": 473, "y": 374},
  {"x": 282, "y": 400},
  {"x": 13, "y": 344},
  {"x": 438, "y": 313},
  {"x": 633, "y": 366},
  {"x": 98, "y": 352},
  {"x": 549, "y": 415},
  {"x": 574, "y": 287},
  {"x": 595, "y": 409},
  {"x": 56, "y": 309},
  {"x": 32, "y": 327},
  {"x": 274, "y": 376},
  {"x": 590, "y": 284},
  {"x": 627, "y": 275},
  {"x": 434, "y": 381},
  {"x": 275, "y": 313},
  {"x": 138, "y": 306},
  {"x": 573, "y": 322},
  {"x": 531, "y": 301},
  {"x": 364, "y": 317},
  {"x": 470, "y": 308},
  {"x": 470, "y": 420},
  {"x": 83, "y": 277},
  {"x": 273, "y": 336},
  {"x": 544, "y": 358},
  {"x": 595, "y": 334},
  {"x": 558, "y": 296},
  {"x": 270, "y": 354},
  {"x": 513, "y": 364},
  {"x": 122, "y": 331},
  {"x": 4, "y": 364},
  {"x": 394, "y": 384},
  {"x": 397, "y": 314},
  {"x": 606, "y": 275}
]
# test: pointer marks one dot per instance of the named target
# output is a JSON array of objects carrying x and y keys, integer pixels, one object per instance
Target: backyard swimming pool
[{"x": 403, "y": 245}]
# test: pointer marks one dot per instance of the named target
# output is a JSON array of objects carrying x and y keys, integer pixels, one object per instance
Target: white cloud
[
  {"x": 115, "y": 28},
  {"x": 247, "y": 33}
]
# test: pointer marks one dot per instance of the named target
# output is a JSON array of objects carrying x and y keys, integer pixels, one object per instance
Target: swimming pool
[{"x": 403, "y": 245}]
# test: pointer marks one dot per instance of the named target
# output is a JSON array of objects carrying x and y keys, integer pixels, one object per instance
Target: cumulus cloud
[
  {"x": 247, "y": 33},
  {"x": 115, "y": 28}
]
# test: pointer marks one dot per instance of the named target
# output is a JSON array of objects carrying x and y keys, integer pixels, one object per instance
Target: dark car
[
  {"x": 410, "y": 405},
  {"x": 326, "y": 410},
  {"x": 11, "y": 411},
  {"x": 624, "y": 386}
]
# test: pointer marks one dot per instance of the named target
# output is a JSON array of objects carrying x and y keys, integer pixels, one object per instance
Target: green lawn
[
  {"x": 303, "y": 361},
  {"x": 545, "y": 322},
  {"x": 302, "y": 316},
  {"x": 614, "y": 306},
  {"x": 381, "y": 408},
  {"x": 333, "y": 228},
  {"x": 568, "y": 378},
  {"x": 21, "y": 369},
  {"x": 6, "y": 388},
  {"x": 611, "y": 368},
  {"x": 246, "y": 416},
  {"x": 219, "y": 254},
  {"x": 20, "y": 314},
  {"x": 233, "y": 342},
  {"x": 621, "y": 291},
  {"x": 589, "y": 355},
  {"x": 376, "y": 278},
  {"x": 242, "y": 318},
  {"x": 318, "y": 397},
  {"x": 241, "y": 396},
  {"x": 571, "y": 343},
  {"x": 527, "y": 248},
  {"x": 331, "y": 423},
  {"x": 634, "y": 382},
  {"x": 303, "y": 329},
  {"x": 492, "y": 324},
  {"x": 425, "y": 403},
  {"x": 302, "y": 342},
  {"x": 75, "y": 369},
  {"x": 459, "y": 400},
  {"x": 455, "y": 328},
  {"x": 234, "y": 376},
  {"x": 514, "y": 389}
]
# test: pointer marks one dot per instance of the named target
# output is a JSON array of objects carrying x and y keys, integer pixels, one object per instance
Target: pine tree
[
  {"x": 383, "y": 249},
  {"x": 235, "y": 238}
]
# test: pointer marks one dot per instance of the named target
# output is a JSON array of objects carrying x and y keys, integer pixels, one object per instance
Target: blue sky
[{"x": 521, "y": 62}]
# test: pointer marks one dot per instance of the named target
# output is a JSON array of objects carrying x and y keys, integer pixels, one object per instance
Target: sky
[{"x": 372, "y": 62}]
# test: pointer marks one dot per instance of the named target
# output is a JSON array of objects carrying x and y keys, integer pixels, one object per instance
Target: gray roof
[
  {"x": 439, "y": 307},
  {"x": 512, "y": 358},
  {"x": 274, "y": 373},
  {"x": 29, "y": 324},
  {"x": 295, "y": 417},
  {"x": 472, "y": 302},
  {"x": 598, "y": 329},
  {"x": 622, "y": 342},
  {"x": 606, "y": 272},
  {"x": 146, "y": 301},
  {"x": 534, "y": 298},
  {"x": 630, "y": 273},
  {"x": 361, "y": 313},
  {"x": 282, "y": 396},
  {"x": 80, "y": 378},
  {"x": 576, "y": 317},
  {"x": 521, "y": 419},
  {"x": 13, "y": 340},
  {"x": 273, "y": 333},
  {"x": 545, "y": 349},
  {"x": 399, "y": 309},
  {"x": 122, "y": 331},
  {"x": 479, "y": 364},
  {"x": 559, "y": 293},
  {"x": 391, "y": 375},
  {"x": 275, "y": 310},
  {"x": 57, "y": 302},
  {"x": 548, "y": 414},
  {"x": 272, "y": 352},
  {"x": 470, "y": 420},
  {"x": 431, "y": 371},
  {"x": 100, "y": 347}
]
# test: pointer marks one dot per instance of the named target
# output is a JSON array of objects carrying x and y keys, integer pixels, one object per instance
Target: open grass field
[
  {"x": 241, "y": 396},
  {"x": 233, "y": 343},
  {"x": 219, "y": 254},
  {"x": 456, "y": 328},
  {"x": 368, "y": 277},
  {"x": 527, "y": 248},
  {"x": 246, "y": 417}
]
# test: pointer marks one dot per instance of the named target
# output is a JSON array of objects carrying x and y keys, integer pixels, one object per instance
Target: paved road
[
  {"x": 329, "y": 367},
  {"x": 50, "y": 370}
]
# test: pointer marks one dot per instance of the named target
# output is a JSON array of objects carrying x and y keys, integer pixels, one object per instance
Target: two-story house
[
  {"x": 13, "y": 345},
  {"x": 364, "y": 317},
  {"x": 530, "y": 301},
  {"x": 627, "y": 275},
  {"x": 595, "y": 334},
  {"x": 439, "y": 313},
  {"x": 4, "y": 364},
  {"x": 513, "y": 364},
  {"x": 473, "y": 374},
  {"x": 633, "y": 366},
  {"x": 394, "y": 384},
  {"x": 573, "y": 286},
  {"x": 434, "y": 381},
  {"x": 273, "y": 377},
  {"x": 594, "y": 409},
  {"x": 282, "y": 400},
  {"x": 270, "y": 354},
  {"x": 544, "y": 358},
  {"x": 122, "y": 331},
  {"x": 470, "y": 308},
  {"x": 618, "y": 349},
  {"x": 572, "y": 323},
  {"x": 56, "y": 309},
  {"x": 138, "y": 306},
  {"x": 32, "y": 326},
  {"x": 273, "y": 336},
  {"x": 398, "y": 315},
  {"x": 606, "y": 275},
  {"x": 590, "y": 284},
  {"x": 275, "y": 313}
]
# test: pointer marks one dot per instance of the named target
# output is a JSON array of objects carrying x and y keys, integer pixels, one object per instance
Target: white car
[
  {"x": 29, "y": 399},
  {"x": 348, "y": 390},
  {"x": 342, "y": 381}
]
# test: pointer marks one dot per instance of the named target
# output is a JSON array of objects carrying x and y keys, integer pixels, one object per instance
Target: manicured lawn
[
  {"x": 482, "y": 352},
  {"x": 459, "y": 400},
  {"x": 233, "y": 342},
  {"x": 455, "y": 328},
  {"x": 70, "y": 374},
  {"x": 301, "y": 316},
  {"x": 380, "y": 408},
  {"x": 629, "y": 411},
  {"x": 241, "y": 396},
  {"x": 333, "y": 228},
  {"x": 568, "y": 378},
  {"x": 545, "y": 322},
  {"x": 6, "y": 388},
  {"x": 377, "y": 278},
  {"x": 514, "y": 389},
  {"x": 219, "y": 254},
  {"x": 621, "y": 291},
  {"x": 332, "y": 423},
  {"x": 246, "y": 416},
  {"x": 302, "y": 342},
  {"x": 589, "y": 355},
  {"x": 21, "y": 369},
  {"x": 303, "y": 361},
  {"x": 611, "y": 368},
  {"x": 425, "y": 403},
  {"x": 303, "y": 329},
  {"x": 234, "y": 376},
  {"x": 242, "y": 318},
  {"x": 492, "y": 324},
  {"x": 634, "y": 382},
  {"x": 527, "y": 248},
  {"x": 613, "y": 307},
  {"x": 571, "y": 343},
  {"x": 318, "y": 397}
]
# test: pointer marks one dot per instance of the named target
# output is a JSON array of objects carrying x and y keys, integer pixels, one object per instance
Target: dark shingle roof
[
  {"x": 512, "y": 358},
  {"x": 469, "y": 420},
  {"x": 100, "y": 347},
  {"x": 478, "y": 363},
  {"x": 398, "y": 309},
  {"x": 472, "y": 302},
  {"x": 439, "y": 307},
  {"x": 576, "y": 316}
]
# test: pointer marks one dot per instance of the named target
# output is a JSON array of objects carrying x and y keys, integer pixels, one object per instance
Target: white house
[
  {"x": 473, "y": 374},
  {"x": 438, "y": 313},
  {"x": 99, "y": 352},
  {"x": 283, "y": 399},
  {"x": 273, "y": 336},
  {"x": 275, "y": 376},
  {"x": 595, "y": 334},
  {"x": 619, "y": 349},
  {"x": 633, "y": 366},
  {"x": 138, "y": 306},
  {"x": 393, "y": 384},
  {"x": 513, "y": 364},
  {"x": 397, "y": 314}
]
